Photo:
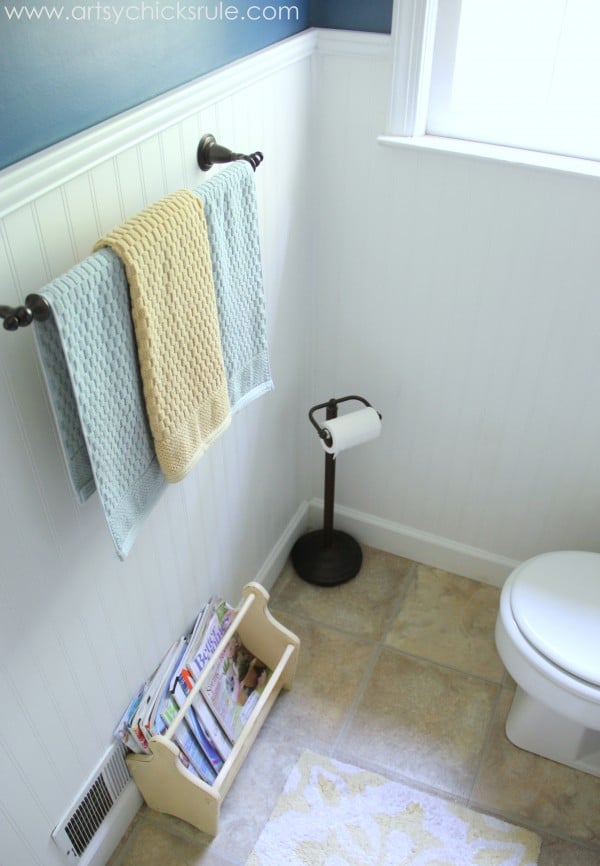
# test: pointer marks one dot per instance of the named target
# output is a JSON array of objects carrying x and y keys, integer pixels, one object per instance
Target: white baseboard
[
  {"x": 414, "y": 544},
  {"x": 366, "y": 528},
  {"x": 123, "y": 812},
  {"x": 273, "y": 564}
]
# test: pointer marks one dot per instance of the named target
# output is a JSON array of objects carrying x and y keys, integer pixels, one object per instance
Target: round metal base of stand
[{"x": 326, "y": 566}]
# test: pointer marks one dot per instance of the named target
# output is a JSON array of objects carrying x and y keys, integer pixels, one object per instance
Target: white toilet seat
[
  {"x": 536, "y": 673},
  {"x": 546, "y": 648},
  {"x": 555, "y": 603}
]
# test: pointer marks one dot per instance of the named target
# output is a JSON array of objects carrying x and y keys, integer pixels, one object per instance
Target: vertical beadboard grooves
[
  {"x": 64, "y": 161},
  {"x": 80, "y": 629},
  {"x": 461, "y": 296},
  {"x": 22, "y": 840},
  {"x": 458, "y": 295}
]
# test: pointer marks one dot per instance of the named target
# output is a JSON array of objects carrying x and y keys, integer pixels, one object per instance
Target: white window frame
[{"x": 413, "y": 38}]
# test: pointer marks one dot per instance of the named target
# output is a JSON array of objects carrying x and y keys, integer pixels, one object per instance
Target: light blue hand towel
[
  {"x": 229, "y": 201},
  {"x": 89, "y": 358}
]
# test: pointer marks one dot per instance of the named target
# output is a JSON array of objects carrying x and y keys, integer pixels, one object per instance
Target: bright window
[{"x": 522, "y": 73}]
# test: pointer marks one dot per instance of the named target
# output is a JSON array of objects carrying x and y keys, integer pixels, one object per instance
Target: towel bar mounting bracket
[
  {"x": 36, "y": 308},
  {"x": 210, "y": 152}
]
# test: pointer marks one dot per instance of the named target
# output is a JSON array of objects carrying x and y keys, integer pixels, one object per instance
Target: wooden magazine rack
[{"x": 165, "y": 784}]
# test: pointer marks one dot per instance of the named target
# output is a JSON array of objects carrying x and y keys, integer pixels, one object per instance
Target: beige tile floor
[{"x": 399, "y": 674}]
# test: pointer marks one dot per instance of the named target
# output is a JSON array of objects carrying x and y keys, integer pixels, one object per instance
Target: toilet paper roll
[{"x": 351, "y": 429}]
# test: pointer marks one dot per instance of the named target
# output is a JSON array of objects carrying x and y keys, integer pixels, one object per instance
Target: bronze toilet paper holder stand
[{"x": 328, "y": 556}]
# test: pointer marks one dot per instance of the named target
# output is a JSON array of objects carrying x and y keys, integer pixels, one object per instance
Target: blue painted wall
[
  {"x": 374, "y": 16},
  {"x": 67, "y": 66},
  {"x": 58, "y": 77}
]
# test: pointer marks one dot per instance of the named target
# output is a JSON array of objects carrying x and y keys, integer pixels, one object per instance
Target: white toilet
[{"x": 548, "y": 636}]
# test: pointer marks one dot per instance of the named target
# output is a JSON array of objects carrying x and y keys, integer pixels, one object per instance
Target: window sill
[{"x": 478, "y": 150}]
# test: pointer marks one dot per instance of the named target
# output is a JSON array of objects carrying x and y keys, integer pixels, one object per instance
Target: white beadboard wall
[
  {"x": 461, "y": 296},
  {"x": 79, "y": 629}
]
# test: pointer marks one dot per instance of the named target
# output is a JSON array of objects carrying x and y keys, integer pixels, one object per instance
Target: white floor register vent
[{"x": 88, "y": 813}]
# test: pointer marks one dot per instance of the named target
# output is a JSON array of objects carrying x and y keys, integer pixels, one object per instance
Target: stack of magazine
[{"x": 220, "y": 708}]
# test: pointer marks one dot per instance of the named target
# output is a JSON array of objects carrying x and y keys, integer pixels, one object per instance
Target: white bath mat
[{"x": 333, "y": 814}]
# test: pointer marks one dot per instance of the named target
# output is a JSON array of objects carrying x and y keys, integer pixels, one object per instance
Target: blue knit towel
[
  {"x": 229, "y": 200},
  {"x": 89, "y": 358}
]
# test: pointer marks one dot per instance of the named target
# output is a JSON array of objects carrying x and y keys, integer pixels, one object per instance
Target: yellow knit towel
[{"x": 167, "y": 258}]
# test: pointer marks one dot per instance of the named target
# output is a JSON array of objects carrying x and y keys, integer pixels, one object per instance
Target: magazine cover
[
  {"x": 124, "y": 730},
  {"x": 153, "y": 723},
  {"x": 221, "y": 616},
  {"x": 206, "y": 745},
  {"x": 188, "y": 744},
  {"x": 234, "y": 686},
  {"x": 211, "y": 727},
  {"x": 210, "y": 736},
  {"x": 193, "y": 640}
]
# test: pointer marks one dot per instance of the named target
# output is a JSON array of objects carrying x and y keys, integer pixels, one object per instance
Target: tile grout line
[
  {"x": 336, "y": 745},
  {"x": 486, "y": 742},
  {"x": 380, "y": 645},
  {"x": 526, "y": 823},
  {"x": 323, "y": 624},
  {"x": 444, "y": 667},
  {"x": 514, "y": 818}
]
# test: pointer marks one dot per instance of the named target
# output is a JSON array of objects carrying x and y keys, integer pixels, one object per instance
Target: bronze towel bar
[{"x": 36, "y": 307}]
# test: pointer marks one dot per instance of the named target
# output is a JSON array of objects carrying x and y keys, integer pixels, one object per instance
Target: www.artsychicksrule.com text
[{"x": 161, "y": 12}]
